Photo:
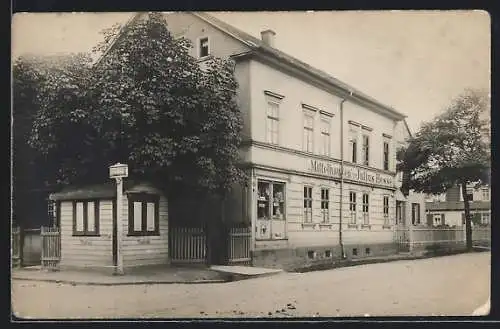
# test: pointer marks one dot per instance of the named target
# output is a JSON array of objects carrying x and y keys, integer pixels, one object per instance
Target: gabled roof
[{"x": 257, "y": 46}]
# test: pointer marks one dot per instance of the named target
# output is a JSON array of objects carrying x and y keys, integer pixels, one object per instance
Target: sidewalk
[{"x": 149, "y": 275}]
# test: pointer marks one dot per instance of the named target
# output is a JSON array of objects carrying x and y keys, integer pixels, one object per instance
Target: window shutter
[
  {"x": 463, "y": 218},
  {"x": 443, "y": 219},
  {"x": 429, "y": 220}
]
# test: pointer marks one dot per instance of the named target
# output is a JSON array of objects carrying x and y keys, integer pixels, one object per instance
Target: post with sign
[{"x": 118, "y": 172}]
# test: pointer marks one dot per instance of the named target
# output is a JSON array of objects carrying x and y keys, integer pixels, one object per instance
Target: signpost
[{"x": 118, "y": 172}]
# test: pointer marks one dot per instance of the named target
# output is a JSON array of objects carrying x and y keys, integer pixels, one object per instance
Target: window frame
[
  {"x": 308, "y": 131},
  {"x": 365, "y": 209},
  {"x": 86, "y": 231},
  {"x": 385, "y": 207},
  {"x": 415, "y": 220},
  {"x": 352, "y": 207},
  {"x": 144, "y": 199},
  {"x": 366, "y": 148},
  {"x": 386, "y": 155},
  {"x": 272, "y": 121},
  {"x": 325, "y": 205},
  {"x": 200, "y": 40},
  {"x": 485, "y": 191},
  {"x": 270, "y": 217},
  {"x": 326, "y": 135},
  {"x": 307, "y": 204}
]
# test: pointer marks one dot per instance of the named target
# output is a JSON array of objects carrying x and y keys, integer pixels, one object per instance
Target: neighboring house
[
  {"x": 448, "y": 208},
  {"x": 410, "y": 208},
  {"x": 87, "y": 217}
]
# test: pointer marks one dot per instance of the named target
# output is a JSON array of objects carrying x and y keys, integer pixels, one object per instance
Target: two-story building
[{"x": 319, "y": 153}]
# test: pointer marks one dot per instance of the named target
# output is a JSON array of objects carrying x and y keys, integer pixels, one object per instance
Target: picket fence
[{"x": 51, "y": 247}]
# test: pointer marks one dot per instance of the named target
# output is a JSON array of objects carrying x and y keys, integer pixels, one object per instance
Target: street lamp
[{"x": 118, "y": 172}]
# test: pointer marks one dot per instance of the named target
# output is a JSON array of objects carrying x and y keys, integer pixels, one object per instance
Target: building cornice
[{"x": 248, "y": 143}]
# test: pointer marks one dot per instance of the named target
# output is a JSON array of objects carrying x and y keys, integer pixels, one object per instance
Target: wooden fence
[
  {"x": 16, "y": 247},
  {"x": 187, "y": 245},
  {"x": 239, "y": 245},
  {"x": 51, "y": 247},
  {"x": 481, "y": 236},
  {"x": 425, "y": 236}
]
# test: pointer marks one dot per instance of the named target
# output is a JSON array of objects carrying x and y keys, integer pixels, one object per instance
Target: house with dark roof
[{"x": 448, "y": 208}]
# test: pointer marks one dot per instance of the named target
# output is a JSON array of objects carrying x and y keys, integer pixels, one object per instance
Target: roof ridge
[{"x": 260, "y": 45}]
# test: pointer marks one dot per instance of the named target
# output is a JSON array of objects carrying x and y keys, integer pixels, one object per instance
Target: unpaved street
[{"x": 452, "y": 285}]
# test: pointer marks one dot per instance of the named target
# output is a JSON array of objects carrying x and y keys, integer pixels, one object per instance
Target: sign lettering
[{"x": 352, "y": 173}]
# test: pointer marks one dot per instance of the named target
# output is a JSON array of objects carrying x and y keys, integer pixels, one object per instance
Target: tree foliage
[
  {"x": 146, "y": 103},
  {"x": 451, "y": 150}
]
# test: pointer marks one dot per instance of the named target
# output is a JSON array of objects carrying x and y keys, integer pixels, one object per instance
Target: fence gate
[
  {"x": 402, "y": 239},
  {"x": 51, "y": 247},
  {"x": 239, "y": 245}
]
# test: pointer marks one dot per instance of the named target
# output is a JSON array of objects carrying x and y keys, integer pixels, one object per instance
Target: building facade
[
  {"x": 320, "y": 155},
  {"x": 448, "y": 208}
]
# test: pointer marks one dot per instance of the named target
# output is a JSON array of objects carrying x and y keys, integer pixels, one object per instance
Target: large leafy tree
[
  {"x": 34, "y": 79},
  {"x": 146, "y": 103},
  {"x": 451, "y": 150}
]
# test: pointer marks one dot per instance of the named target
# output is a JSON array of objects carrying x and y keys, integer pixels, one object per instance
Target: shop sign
[{"x": 351, "y": 173}]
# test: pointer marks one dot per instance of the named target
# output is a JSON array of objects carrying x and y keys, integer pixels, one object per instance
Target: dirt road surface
[{"x": 451, "y": 285}]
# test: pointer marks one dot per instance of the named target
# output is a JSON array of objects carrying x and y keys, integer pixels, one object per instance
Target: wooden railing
[
  {"x": 16, "y": 247},
  {"x": 51, "y": 247},
  {"x": 187, "y": 245},
  {"x": 239, "y": 245}
]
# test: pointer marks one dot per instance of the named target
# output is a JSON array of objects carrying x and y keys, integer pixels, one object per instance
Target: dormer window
[{"x": 203, "y": 47}]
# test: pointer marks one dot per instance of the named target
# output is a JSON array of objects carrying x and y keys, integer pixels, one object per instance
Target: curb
[{"x": 86, "y": 283}]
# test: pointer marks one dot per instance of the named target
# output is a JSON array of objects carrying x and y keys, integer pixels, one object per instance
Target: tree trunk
[{"x": 468, "y": 226}]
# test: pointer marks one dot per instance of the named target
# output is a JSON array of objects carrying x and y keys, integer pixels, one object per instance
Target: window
[
  {"x": 272, "y": 123},
  {"x": 307, "y": 204},
  {"x": 86, "y": 218},
  {"x": 486, "y": 193},
  {"x": 203, "y": 50},
  {"x": 270, "y": 210},
  {"x": 325, "y": 136},
  {"x": 352, "y": 207},
  {"x": 143, "y": 214},
  {"x": 325, "y": 200},
  {"x": 366, "y": 218},
  {"x": 400, "y": 212},
  {"x": 353, "y": 144},
  {"x": 415, "y": 213},
  {"x": 386, "y": 155},
  {"x": 386, "y": 210},
  {"x": 485, "y": 218},
  {"x": 307, "y": 144},
  {"x": 366, "y": 149}
]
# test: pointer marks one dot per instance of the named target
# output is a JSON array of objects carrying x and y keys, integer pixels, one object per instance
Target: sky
[{"x": 414, "y": 61}]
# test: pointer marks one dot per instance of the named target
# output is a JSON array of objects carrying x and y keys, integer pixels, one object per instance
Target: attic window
[{"x": 203, "y": 47}]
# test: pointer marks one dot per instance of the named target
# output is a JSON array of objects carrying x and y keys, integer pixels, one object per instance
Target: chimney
[{"x": 268, "y": 37}]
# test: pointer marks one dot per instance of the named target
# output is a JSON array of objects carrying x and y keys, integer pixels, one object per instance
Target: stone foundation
[{"x": 293, "y": 258}]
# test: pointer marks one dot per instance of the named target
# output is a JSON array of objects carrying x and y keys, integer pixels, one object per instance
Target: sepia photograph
[{"x": 250, "y": 165}]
